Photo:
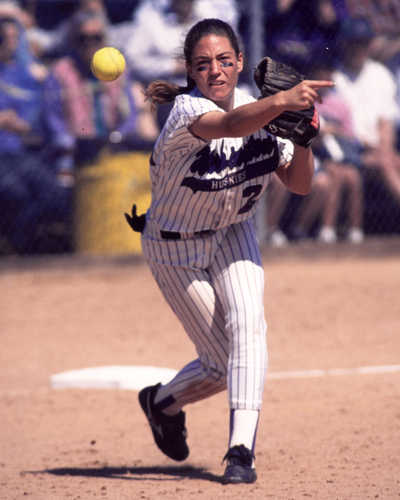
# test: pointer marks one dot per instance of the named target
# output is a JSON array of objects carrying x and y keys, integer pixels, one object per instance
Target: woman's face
[
  {"x": 90, "y": 38},
  {"x": 8, "y": 41},
  {"x": 215, "y": 69}
]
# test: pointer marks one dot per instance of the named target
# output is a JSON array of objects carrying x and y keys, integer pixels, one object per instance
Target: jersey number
[{"x": 251, "y": 192}]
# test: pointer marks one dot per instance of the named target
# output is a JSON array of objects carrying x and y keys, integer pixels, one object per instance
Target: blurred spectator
[
  {"x": 29, "y": 193},
  {"x": 151, "y": 53},
  {"x": 369, "y": 89},
  {"x": 297, "y": 28},
  {"x": 323, "y": 204},
  {"x": 170, "y": 19},
  {"x": 26, "y": 21},
  {"x": 339, "y": 153},
  {"x": 384, "y": 19},
  {"x": 82, "y": 114},
  {"x": 227, "y": 10}
]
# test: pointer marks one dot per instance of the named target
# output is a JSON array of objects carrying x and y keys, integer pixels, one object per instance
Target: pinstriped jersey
[{"x": 202, "y": 184}]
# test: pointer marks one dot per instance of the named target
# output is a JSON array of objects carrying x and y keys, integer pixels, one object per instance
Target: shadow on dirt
[{"x": 135, "y": 473}]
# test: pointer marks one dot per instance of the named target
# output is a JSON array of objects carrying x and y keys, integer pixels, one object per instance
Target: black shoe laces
[{"x": 239, "y": 455}]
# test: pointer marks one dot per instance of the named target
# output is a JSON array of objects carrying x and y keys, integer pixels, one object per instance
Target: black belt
[{"x": 174, "y": 235}]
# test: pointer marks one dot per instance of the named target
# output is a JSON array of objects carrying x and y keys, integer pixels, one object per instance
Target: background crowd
[{"x": 55, "y": 117}]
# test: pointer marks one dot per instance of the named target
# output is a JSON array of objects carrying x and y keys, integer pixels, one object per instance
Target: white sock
[
  {"x": 166, "y": 403},
  {"x": 244, "y": 428}
]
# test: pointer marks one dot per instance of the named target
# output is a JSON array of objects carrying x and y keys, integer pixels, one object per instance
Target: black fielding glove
[{"x": 300, "y": 127}]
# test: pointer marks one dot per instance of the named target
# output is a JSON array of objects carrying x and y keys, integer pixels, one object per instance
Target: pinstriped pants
[{"x": 221, "y": 309}]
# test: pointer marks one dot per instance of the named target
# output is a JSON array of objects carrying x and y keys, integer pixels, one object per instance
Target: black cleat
[
  {"x": 240, "y": 466},
  {"x": 169, "y": 432}
]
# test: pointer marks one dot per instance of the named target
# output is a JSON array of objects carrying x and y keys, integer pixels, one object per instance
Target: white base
[{"x": 112, "y": 377}]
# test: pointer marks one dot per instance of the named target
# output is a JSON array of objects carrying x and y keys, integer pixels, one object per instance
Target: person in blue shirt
[{"x": 29, "y": 192}]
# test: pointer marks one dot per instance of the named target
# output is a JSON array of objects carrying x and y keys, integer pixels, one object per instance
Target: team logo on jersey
[{"x": 242, "y": 160}]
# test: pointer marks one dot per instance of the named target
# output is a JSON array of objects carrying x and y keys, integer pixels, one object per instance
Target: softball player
[{"x": 210, "y": 166}]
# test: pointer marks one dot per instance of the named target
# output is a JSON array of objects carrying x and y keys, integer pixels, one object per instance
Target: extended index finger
[{"x": 318, "y": 84}]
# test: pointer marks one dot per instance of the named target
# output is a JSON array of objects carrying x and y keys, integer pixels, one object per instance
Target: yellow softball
[{"x": 108, "y": 64}]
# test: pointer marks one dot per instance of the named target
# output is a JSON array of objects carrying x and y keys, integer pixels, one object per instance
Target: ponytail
[{"x": 163, "y": 92}]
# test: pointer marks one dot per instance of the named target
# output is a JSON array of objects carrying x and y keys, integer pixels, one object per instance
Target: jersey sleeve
[
  {"x": 187, "y": 110},
  {"x": 191, "y": 108}
]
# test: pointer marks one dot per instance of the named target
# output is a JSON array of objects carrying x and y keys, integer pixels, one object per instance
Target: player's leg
[
  {"x": 238, "y": 277},
  {"x": 192, "y": 298},
  {"x": 239, "y": 280},
  {"x": 355, "y": 200},
  {"x": 314, "y": 204}
]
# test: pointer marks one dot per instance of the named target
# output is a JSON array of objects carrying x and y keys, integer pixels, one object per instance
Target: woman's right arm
[{"x": 247, "y": 119}]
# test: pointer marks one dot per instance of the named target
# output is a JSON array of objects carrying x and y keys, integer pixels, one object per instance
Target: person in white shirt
[
  {"x": 157, "y": 31},
  {"x": 370, "y": 91}
]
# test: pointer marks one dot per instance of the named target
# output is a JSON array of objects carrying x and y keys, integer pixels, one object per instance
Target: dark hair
[
  {"x": 205, "y": 28},
  {"x": 163, "y": 92}
]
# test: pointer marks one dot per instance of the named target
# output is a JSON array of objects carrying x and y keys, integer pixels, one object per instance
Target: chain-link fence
[{"x": 46, "y": 210}]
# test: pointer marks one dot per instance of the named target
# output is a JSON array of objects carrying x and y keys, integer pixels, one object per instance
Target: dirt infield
[{"x": 324, "y": 435}]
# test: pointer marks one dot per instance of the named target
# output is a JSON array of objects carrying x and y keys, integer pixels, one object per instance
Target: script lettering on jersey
[{"x": 209, "y": 162}]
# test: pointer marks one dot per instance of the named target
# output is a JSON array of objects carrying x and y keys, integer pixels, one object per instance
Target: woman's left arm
[{"x": 297, "y": 175}]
